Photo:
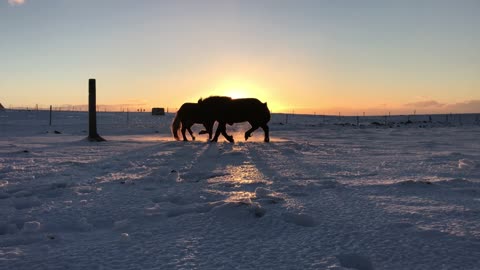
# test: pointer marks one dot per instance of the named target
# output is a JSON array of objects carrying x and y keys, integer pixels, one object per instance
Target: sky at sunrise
[{"x": 319, "y": 56}]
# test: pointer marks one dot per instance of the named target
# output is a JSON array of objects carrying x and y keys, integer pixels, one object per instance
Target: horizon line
[{"x": 72, "y": 108}]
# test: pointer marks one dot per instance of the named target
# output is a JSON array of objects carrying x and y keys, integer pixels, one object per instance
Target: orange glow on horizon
[
  {"x": 236, "y": 89},
  {"x": 237, "y": 93},
  {"x": 241, "y": 88}
]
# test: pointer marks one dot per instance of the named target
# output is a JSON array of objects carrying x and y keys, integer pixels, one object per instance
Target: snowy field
[{"x": 323, "y": 194}]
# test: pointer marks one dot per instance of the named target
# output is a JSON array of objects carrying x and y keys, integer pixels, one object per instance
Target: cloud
[
  {"x": 425, "y": 104},
  {"x": 468, "y": 106},
  {"x": 421, "y": 107},
  {"x": 16, "y": 2}
]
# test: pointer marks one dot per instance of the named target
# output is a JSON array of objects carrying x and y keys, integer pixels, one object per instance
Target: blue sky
[{"x": 311, "y": 56}]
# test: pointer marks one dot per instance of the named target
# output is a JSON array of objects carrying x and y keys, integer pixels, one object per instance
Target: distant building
[{"x": 158, "y": 111}]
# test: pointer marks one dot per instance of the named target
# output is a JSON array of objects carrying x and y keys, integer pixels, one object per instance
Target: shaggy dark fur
[
  {"x": 188, "y": 115},
  {"x": 226, "y": 110}
]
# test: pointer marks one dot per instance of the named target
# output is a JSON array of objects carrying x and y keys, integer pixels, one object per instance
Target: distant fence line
[
  {"x": 286, "y": 118},
  {"x": 386, "y": 120},
  {"x": 84, "y": 108},
  {"x": 112, "y": 108}
]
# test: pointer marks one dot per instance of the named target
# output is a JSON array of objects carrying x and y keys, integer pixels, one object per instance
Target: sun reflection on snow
[
  {"x": 244, "y": 197},
  {"x": 142, "y": 138},
  {"x": 238, "y": 177},
  {"x": 119, "y": 176},
  {"x": 246, "y": 174}
]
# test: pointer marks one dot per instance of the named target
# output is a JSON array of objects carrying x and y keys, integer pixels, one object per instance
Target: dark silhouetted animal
[
  {"x": 226, "y": 110},
  {"x": 188, "y": 115}
]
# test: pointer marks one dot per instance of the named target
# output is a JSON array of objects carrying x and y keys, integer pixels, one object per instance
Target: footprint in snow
[
  {"x": 4, "y": 195},
  {"x": 82, "y": 190},
  {"x": 23, "y": 193},
  {"x": 355, "y": 261},
  {"x": 24, "y": 203},
  {"x": 300, "y": 219}
]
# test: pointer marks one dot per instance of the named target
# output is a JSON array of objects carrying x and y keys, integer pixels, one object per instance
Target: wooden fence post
[
  {"x": 50, "y": 115},
  {"x": 92, "y": 112}
]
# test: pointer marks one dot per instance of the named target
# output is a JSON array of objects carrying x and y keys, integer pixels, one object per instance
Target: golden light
[
  {"x": 236, "y": 93},
  {"x": 236, "y": 89},
  {"x": 242, "y": 88}
]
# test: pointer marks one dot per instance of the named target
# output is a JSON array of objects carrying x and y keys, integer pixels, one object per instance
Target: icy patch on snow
[
  {"x": 124, "y": 236},
  {"x": 84, "y": 190},
  {"x": 466, "y": 164},
  {"x": 121, "y": 225},
  {"x": 31, "y": 226},
  {"x": 238, "y": 210},
  {"x": 154, "y": 210},
  {"x": 11, "y": 253},
  {"x": 3, "y": 183}
]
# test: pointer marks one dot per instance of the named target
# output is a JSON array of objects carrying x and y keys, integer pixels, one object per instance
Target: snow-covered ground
[{"x": 323, "y": 194}]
